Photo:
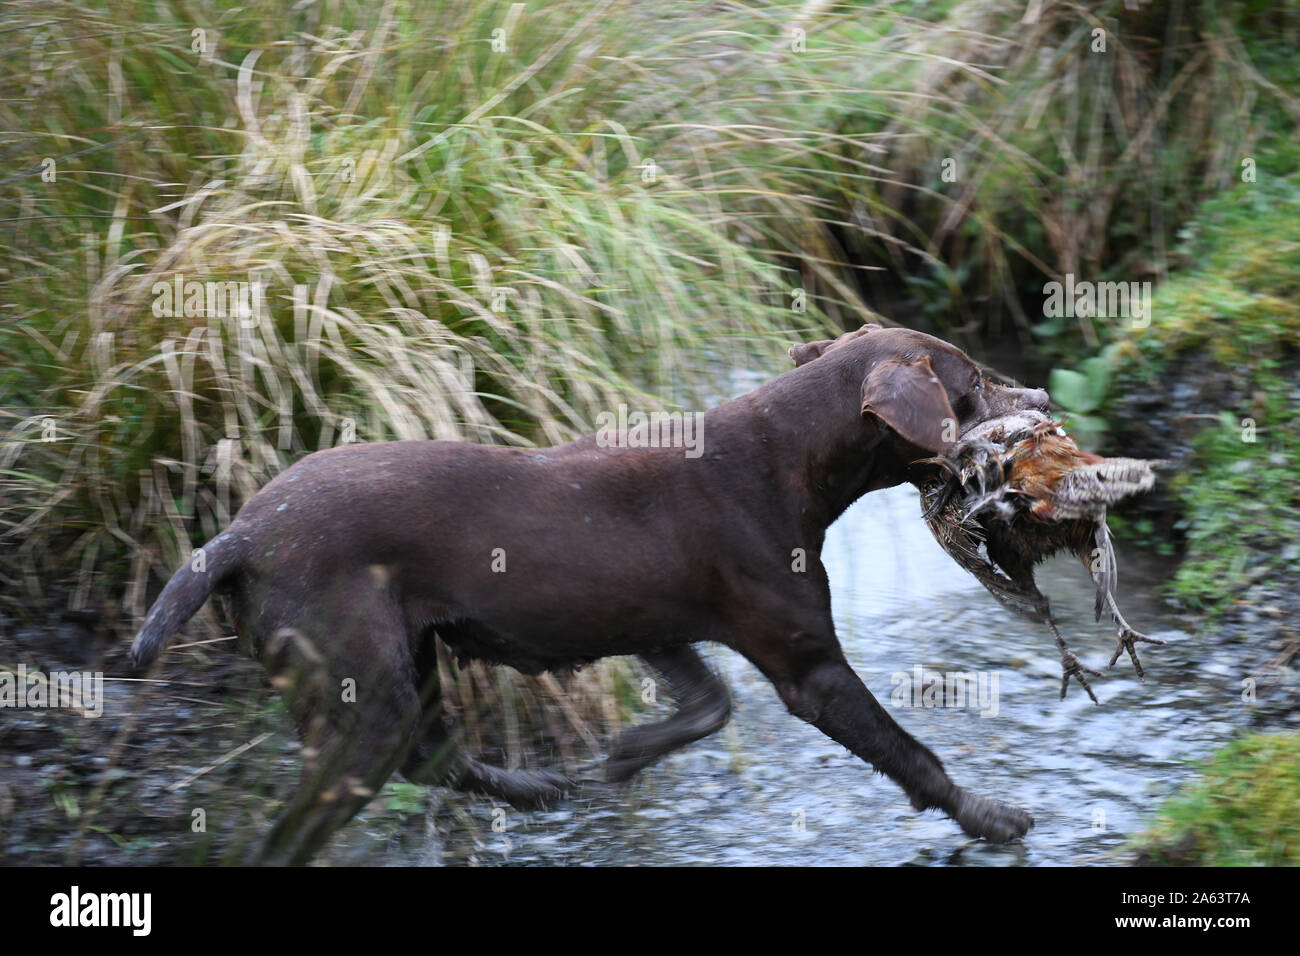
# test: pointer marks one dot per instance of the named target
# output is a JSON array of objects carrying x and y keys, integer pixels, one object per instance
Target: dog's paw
[
  {"x": 620, "y": 769},
  {"x": 635, "y": 750},
  {"x": 522, "y": 789},
  {"x": 989, "y": 819},
  {"x": 542, "y": 788}
]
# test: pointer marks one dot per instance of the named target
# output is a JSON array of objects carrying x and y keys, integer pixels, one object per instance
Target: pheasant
[{"x": 1023, "y": 490}]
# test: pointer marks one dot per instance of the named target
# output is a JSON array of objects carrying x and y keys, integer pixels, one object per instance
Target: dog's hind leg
[
  {"x": 438, "y": 756},
  {"x": 703, "y": 706},
  {"x": 354, "y": 734},
  {"x": 522, "y": 789}
]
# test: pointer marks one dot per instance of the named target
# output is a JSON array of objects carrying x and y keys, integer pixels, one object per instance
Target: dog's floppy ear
[
  {"x": 803, "y": 354},
  {"x": 910, "y": 399}
]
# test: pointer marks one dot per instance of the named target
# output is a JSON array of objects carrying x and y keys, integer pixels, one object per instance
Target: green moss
[
  {"x": 1243, "y": 811},
  {"x": 1238, "y": 291}
]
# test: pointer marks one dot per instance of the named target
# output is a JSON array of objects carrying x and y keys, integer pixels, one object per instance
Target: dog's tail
[{"x": 185, "y": 594}]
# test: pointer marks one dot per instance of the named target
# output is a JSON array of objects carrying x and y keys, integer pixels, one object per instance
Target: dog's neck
[{"x": 822, "y": 454}]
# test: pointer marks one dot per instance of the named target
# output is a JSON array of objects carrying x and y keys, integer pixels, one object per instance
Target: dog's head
[{"x": 923, "y": 389}]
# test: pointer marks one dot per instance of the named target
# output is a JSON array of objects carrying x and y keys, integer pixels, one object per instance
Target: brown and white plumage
[{"x": 1016, "y": 490}]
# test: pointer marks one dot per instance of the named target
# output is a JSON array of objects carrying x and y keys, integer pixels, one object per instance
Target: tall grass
[
  {"x": 1028, "y": 140},
  {"x": 487, "y": 253}
]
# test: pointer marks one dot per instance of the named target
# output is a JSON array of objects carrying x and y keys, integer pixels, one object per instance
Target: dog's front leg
[{"x": 808, "y": 669}]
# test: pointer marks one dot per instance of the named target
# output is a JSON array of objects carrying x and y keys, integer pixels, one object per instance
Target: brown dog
[{"x": 342, "y": 571}]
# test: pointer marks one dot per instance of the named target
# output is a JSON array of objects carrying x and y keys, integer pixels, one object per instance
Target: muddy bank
[{"x": 193, "y": 766}]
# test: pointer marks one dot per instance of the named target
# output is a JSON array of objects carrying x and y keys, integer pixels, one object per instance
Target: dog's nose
[{"x": 1030, "y": 398}]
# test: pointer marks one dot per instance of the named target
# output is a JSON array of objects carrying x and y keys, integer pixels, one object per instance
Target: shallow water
[{"x": 772, "y": 790}]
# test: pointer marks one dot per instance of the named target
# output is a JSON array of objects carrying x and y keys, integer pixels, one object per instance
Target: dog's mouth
[
  {"x": 1009, "y": 428},
  {"x": 1002, "y": 431}
]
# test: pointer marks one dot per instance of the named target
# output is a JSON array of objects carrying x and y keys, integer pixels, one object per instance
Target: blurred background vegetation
[{"x": 509, "y": 217}]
